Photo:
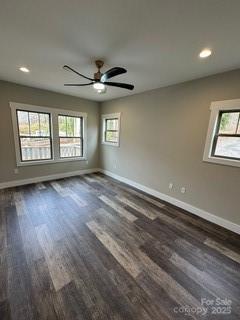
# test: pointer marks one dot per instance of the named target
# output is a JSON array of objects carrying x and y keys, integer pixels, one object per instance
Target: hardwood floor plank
[
  {"x": 172, "y": 287},
  {"x": 73, "y": 303},
  {"x": 127, "y": 261},
  {"x": 31, "y": 246},
  {"x": 123, "y": 212},
  {"x": 89, "y": 247},
  {"x": 106, "y": 289},
  {"x": 85, "y": 280},
  {"x": 134, "y": 192},
  {"x": 122, "y": 228},
  {"x": 148, "y": 213},
  {"x": 222, "y": 249},
  {"x": 215, "y": 287},
  {"x": 137, "y": 296},
  {"x": 59, "y": 274},
  {"x": 143, "y": 262},
  {"x": 161, "y": 254},
  {"x": 67, "y": 192},
  {"x": 40, "y": 186},
  {"x": 202, "y": 259},
  {"x": 48, "y": 306},
  {"x": 63, "y": 192},
  {"x": 159, "y": 298},
  {"x": 5, "y": 312}
]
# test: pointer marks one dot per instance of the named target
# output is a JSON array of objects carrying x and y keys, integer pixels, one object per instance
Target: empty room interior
[{"x": 119, "y": 160}]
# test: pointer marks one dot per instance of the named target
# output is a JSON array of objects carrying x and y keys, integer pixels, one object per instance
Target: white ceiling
[{"x": 158, "y": 41}]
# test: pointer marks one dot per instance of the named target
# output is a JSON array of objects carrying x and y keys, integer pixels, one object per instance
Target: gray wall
[
  {"x": 162, "y": 140},
  {"x": 17, "y": 93}
]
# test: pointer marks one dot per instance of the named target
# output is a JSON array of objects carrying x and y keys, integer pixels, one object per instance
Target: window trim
[
  {"x": 217, "y": 107},
  {"x": 106, "y": 117},
  {"x": 54, "y": 130}
]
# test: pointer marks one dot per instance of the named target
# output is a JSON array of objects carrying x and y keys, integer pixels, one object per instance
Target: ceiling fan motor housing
[{"x": 97, "y": 76}]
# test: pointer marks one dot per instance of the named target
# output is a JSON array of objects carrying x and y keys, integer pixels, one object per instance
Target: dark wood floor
[{"x": 92, "y": 248}]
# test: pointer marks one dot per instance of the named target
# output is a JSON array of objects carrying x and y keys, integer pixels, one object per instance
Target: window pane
[
  {"x": 34, "y": 124},
  {"x": 35, "y": 148},
  {"x": 112, "y": 124},
  {"x": 229, "y": 122},
  {"x": 23, "y": 123},
  {"x": 228, "y": 147},
  {"x": 112, "y": 136},
  {"x": 73, "y": 127},
  {"x": 77, "y": 127},
  {"x": 69, "y": 126},
  {"x": 70, "y": 147},
  {"x": 44, "y": 124},
  {"x": 62, "y": 126}
]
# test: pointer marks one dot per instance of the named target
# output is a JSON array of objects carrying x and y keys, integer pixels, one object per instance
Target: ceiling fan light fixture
[
  {"x": 102, "y": 91},
  {"x": 99, "y": 86}
]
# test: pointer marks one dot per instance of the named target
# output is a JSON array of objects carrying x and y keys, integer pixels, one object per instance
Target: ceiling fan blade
[
  {"x": 112, "y": 73},
  {"x": 71, "y": 69},
  {"x": 78, "y": 84},
  {"x": 120, "y": 85}
]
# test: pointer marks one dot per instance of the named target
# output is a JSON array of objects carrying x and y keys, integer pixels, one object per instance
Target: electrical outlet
[
  {"x": 170, "y": 186},
  {"x": 183, "y": 189},
  {"x": 16, "y": 171},
  {"x": 114, "y": 165},
  {"x": 87, "y": 162}
]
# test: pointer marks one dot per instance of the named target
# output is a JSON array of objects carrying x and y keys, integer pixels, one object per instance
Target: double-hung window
[
  {"x": 70, "y": 136},
  {"x": 223, "y": 139},
  {"x": 44, "y": 135},
  {"x": 111, "y": 129},
  {"x": 34, "y": 132}
]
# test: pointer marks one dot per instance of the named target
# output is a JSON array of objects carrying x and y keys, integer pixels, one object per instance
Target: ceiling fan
[{"x": 99, "y": 81}]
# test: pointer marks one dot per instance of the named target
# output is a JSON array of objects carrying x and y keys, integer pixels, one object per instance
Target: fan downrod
[{"x": 99, "y": 65}]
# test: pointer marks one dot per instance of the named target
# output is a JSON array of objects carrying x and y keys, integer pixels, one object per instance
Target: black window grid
[{"x": 218, "y": 134}]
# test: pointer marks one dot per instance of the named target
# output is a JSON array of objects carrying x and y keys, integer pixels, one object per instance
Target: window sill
[
  {"x": 35, "y": 163},
  {"x": 111, "y": 144},
  {"x": 222, "y": 161}
]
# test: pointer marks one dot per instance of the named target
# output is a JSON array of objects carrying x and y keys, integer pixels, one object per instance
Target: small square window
[
  {"x": 227, "y": 139},
  {"x": 110, "y": 129},
  {"x": 223, "y": 139}
]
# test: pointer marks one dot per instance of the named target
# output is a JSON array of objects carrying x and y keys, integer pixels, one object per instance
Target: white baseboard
[
  {"x": 188, "y": 207},
  {"x": 14, "y": 183}
]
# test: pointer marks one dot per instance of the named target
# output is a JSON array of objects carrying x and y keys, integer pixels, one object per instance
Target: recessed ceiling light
[
  {"x": 205, "y": 53},
  {"x": 24, "y": 69}
]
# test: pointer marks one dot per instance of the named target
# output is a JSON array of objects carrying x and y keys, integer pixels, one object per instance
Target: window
[
  {"x": 227, "y": 138},
  {"x": 44, "y": 135},
  {"x": 70, "y": 136},
  {"x": 110, "y": 129},
  {"x": 34, "y": 135},
  {"x": 223, "y": 140}
]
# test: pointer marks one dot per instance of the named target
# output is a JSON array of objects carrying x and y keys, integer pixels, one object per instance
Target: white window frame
[
  {"x": 54, "y": 112},
  {"x": 109, "y": 117},
  {"x": 216, "y": 107}
]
